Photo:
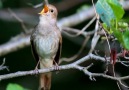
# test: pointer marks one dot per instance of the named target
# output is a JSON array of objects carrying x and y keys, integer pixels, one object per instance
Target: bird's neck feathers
[{"x": 45, "y": 20}]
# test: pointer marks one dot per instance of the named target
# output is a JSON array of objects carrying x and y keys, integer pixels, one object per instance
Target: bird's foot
[
  {"x": 56, "y": 67},
  {"x": 36, "y": 71}
]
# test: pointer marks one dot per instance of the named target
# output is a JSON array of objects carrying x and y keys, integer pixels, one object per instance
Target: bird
[{"x": 46, "y": 43}]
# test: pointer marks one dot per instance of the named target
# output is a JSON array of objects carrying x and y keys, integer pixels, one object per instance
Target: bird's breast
[{"x": 47, "y": 46}]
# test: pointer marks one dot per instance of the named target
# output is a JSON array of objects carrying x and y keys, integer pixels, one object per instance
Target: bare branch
[
  {"x": 38, "y": 5},
  {"x": 68, "y": 31},
  {"x": 84, "y": 28},
  {"x": 95, "y": 37},
  {"x": 74, "y": 65},
  {"x": 14, "y": 44}
]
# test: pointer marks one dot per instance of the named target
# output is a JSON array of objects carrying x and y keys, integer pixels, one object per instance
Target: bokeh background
[{"x": 22, "y": 60}]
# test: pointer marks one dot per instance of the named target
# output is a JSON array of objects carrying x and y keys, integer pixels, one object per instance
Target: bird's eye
[{"x": 52, "y": 10}]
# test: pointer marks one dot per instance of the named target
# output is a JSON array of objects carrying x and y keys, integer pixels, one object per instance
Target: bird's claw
[
  {"x": 92, "y": 78},
  {"x": 36, "y": 71},
  {"x": 56, "y": 67}
]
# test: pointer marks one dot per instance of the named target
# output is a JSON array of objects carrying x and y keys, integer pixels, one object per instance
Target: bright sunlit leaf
[
  {"x": 114, "y": 4},
  {"x": 15, "y": 87}
]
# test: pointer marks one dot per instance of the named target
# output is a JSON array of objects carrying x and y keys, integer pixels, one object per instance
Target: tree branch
[
  {"x": 16, "y": 43},
  {"x": 74, "y": 65}
]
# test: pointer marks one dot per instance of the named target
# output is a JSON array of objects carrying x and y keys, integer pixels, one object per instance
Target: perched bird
[{"x": 46, "y": 42}]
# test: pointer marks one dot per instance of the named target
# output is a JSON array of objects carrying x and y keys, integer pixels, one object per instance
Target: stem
[{"x": 116, "y": 25}]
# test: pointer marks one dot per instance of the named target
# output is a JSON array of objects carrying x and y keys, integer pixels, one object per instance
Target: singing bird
[{"x": 46, "y": 43}]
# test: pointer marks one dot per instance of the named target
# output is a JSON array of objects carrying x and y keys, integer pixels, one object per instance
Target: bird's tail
[{"x": 45, "y": 81}]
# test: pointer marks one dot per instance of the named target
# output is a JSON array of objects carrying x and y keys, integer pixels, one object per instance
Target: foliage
[
  {"x": 15, "y": 87},
  {"x": 112, "y": 20}
]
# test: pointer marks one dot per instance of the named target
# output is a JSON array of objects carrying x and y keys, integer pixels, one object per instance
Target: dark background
[{"x": 22, "y": 60}]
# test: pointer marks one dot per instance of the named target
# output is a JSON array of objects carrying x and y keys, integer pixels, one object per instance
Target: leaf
[
  {"x": 123, "y": 37},
  {"x": 105, "y": 11},
  {"x": 114, "y": 4},
  {"x": 108, "y": 10},
  {"x": 107, "y": 28},
  {"x": 111, "y": 12},
  {"x": 14, "y": 87},
  {"x": 126, "y": 39}
]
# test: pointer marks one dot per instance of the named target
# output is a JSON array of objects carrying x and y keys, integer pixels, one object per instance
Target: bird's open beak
[{"x": 45, "y": 10}]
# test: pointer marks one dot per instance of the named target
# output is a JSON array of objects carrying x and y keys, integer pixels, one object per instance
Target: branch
[
  {"x": 84, "y": 28},
  {"x": 74, "y": 65},
  {"x": 95, "y": 37},
  {"x": 2, "y": 67},
  {"x": 77, "y": 54},
  {"x": 16, "y": 43}
]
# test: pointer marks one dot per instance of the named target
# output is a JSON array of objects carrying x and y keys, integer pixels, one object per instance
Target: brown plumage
[{"x": 46, "y": 42}]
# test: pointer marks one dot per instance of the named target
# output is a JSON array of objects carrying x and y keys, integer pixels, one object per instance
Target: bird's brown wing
[
  {"x": 57, "y": 57},
  {"x": 34, "y": 52}
]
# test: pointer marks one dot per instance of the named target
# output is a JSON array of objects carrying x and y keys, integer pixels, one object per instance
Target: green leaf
[
  {"x": 108, "y": 10},
  {"x": 107, "y": 28},
  {"x": 126, "y": 39},
  {"x": 14, "y": 87},
  {"x": 114, "y": 4},
  {"x": 105, "y": 11},
  {"x": 111, "y": 12},
  {"x": 123, "y": 37}
]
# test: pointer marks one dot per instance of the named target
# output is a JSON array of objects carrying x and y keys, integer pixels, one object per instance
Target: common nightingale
[{"x": 46, "y": 42}]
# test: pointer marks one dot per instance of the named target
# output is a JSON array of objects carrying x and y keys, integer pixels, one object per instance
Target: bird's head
[{"x": 49, "y": 11}]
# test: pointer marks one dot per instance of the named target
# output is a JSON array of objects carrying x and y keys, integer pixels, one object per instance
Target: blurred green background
[{"x": 22, "y": 60}]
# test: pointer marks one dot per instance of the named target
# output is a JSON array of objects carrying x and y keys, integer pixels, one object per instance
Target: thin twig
[
  {"x": 97, "y": 16},
  {"x": 68, "y": 31},
  {"x": 95, "y": 38},
  {"x": 18, "y": 19},
  {"x": 38, "y": 5},
  {"x": 2, "y": 67},
  {"x": 84, "y": 28},
  {"x": 107, "y": 40},
  {"x": 78, "y": 53}
]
